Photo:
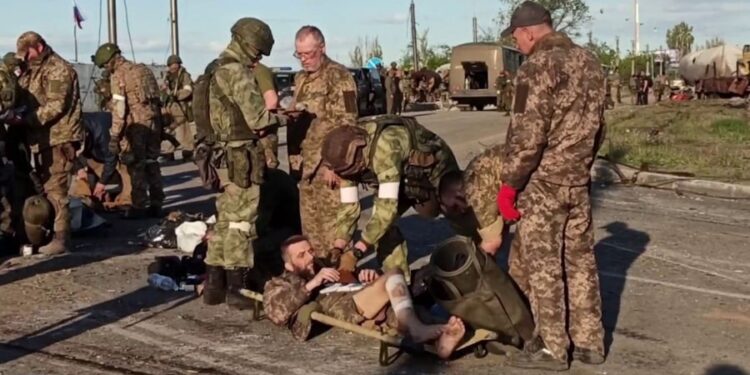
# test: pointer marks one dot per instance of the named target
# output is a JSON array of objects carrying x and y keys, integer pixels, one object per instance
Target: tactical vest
[
  {"x": 145, "y": 88},
  {"x": 173, "y": 85},
  {"x": 8, "y": 90},
  {"x": 424, "y": 147},
  {"x": 243, "y": 161},
  {"x": 469, "y": 284}
]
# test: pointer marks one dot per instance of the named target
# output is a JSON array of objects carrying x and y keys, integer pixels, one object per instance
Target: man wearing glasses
[{"x": 326, "y": 98}]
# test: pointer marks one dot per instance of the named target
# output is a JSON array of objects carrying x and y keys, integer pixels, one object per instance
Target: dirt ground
[{"x": 675, "y": 281}]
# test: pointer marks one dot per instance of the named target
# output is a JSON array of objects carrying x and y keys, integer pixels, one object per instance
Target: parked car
[{"x": 370, "y": 91}]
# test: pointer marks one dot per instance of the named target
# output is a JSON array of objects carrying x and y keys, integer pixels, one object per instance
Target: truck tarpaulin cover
[{"x": 717, "y": 62}]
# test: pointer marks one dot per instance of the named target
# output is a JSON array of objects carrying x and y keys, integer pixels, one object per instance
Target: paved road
[{"x": 675, "y": 273}]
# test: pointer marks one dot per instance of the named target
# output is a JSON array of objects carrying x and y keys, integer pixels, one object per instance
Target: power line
[
  {"x": 127, "y": 26},
  {"x": 93, "y": 66}
]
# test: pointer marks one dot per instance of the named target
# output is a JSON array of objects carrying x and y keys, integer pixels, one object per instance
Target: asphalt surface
[{"x": 675, "y": 280}]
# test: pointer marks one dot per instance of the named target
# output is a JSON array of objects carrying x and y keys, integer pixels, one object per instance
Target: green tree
[
  {"x": 365, "y": 50},
  {"x": 680, "y": 37},
  {"x": 429, "y": 56},
  {"x": 356, "y": 57},
  {"x": 714, "y": 42},
  {"x": 568, "y": 16},
  {"x": 606, "y": 54}
]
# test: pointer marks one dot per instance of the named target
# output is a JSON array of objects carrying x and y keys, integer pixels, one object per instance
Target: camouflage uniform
[
  {"x": 392, "y": 92},
  {"x": 555, "y": 133},
  {"x": 614, "y": 80},
  {"x": 386, "y": 172},
  {"x": 270, "y": 142},
  {"x": 49, "y": 91},
  {"x": 178, "y": 110},
  {"x": 406, "y": 90},
  {"x": 284, "y": 296},
  {"x": 136, "y": 122},
  {"x": 330, "y": 96},
  {"x": 481, "y": 182}
]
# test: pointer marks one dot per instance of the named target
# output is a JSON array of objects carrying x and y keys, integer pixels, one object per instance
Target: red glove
[{"x": 506, "y": 203}]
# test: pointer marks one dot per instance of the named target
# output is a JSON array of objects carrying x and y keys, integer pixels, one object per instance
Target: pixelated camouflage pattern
[
  {"x": 557, "y": 115},
  {"x": 264, "y": 78},
  {"x": 556, "y": 225},
  {"x": 50, "y": 93}
]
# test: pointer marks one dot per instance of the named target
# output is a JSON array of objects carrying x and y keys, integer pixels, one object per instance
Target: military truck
[{"x": 474, "y": 68}]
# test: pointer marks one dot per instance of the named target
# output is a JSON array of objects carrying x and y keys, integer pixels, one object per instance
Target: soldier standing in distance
[
  {"x": 49, "y": 92},
  {"x": 177, "y": 107},
  {"x": 555, "y": 132},
  {"x": 267, "y": 86},
  {"x": 135, "y": 134},
  {"x": 614, "y": 78},
  {"x": 327, "y": 92}
]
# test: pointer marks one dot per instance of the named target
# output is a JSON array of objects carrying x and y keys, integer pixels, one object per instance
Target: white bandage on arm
[
  {"x": 187, "y": 88},
  {"x": 388, "y": 190},
  {"x": 398, "y": 293},
  {"x": 349, "y": 194}
]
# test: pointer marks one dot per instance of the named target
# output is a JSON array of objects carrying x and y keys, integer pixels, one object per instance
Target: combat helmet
[
  {"x": 11, "y": 61},
  {"x": 38, "y": 216},
  {"x": 341, "y": 150},
  {"x": 104, "y": 54},
  {"x": 174, "y": 59},
  {"x": 253, "y": 35}
]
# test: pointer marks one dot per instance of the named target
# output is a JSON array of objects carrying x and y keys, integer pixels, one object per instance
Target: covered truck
[
  {"x": 474, "y": 67},
  {"x": 714, "y": 71}
]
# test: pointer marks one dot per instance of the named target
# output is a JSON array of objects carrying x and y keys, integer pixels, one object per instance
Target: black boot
[
  {"x": 236, "y": 282},
  {"x": 215, "y": 290}
]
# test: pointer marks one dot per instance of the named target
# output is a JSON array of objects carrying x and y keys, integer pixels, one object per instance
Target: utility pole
[
  {"x": 637, "y": 28},
  {"x": 617, "y": 50},
  {"x": 414, "y": 48},
  {"x": 112, "y": 18},
  {"x": 649, "y": 61},
  {"x": 175, "y": 30},
  {"x": 474, "y": 29}
]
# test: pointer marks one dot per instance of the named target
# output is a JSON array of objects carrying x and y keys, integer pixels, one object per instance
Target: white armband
[
  {"x": 349, "y": 194},
  {"x": 388, "y": 190}
]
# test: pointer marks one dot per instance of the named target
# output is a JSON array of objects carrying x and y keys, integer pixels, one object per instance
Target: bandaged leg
[{"x": 398, "y": 294}]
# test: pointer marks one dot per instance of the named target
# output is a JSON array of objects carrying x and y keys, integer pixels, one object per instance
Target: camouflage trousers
[
  {"x": 53, "y": 165},
  {"x": 140, "y": 158},
  {"x": 552, "y": 255},
  {"x": 319, "y": 205},
  {"x": 270, "y": 145},
  {"x": 230, "y": 246}
]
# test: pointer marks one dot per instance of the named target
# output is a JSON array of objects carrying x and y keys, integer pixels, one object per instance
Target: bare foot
[
  {"x": 453, "y": 333},
  {"x": 422, "y": 333}
]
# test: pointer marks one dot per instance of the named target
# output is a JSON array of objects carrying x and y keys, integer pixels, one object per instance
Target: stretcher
[{"x": 476, "y": 340}]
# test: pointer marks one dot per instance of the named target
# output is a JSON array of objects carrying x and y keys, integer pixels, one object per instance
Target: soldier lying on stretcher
[{"x": 385, "y": 300}]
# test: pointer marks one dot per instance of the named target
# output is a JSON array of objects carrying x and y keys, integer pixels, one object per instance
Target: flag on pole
[{"x": 77, "y": 16}]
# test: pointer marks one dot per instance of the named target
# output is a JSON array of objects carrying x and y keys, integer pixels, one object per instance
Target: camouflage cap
[
  {"x": 26, "y": 40},
  {"x": 38, "y": 216},
  {"x": 529, "y": 13},
  {"x": 340, "y": 149}
]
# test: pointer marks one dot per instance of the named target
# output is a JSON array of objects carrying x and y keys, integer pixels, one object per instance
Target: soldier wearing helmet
[
  {"x": 177, "y": 110},
  {"x": 404, "y": 162},
  {"x": 52, "y": 119},
  {"x": 327, "y": 92},
  {"x": 238, "y": 120},
  {"x": 136, "y": 129}
]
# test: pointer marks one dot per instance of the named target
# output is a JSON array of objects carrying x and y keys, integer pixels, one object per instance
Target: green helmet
[
  {"x": 11, "y": 60},
  {"x": 174, "y": 59},
  {"x": 38, "y": 216},
  {"x": 104, "y": 53},
  {"x": 253, "y": 35}
]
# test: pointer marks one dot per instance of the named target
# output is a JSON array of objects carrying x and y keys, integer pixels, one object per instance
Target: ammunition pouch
[
  {"x": 469, "y": 284},
  {"x": 206, "y": 163},
  {"x": 245, "y": 164},
  {"x": 417, "y": 185}
]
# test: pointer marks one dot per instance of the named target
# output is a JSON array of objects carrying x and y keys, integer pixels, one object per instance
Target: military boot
[
  {"x": 236, "y": 282},
  {"x": 132, "y": 213},
  {"x": 58, "y": 245},
  {"x": 587, "y": 356},
  {"x": 539, "y": 360},
  {"x": 215, "y": 290}
]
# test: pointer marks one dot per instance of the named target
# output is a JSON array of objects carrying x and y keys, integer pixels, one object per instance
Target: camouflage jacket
[
  {"x": 558, "y": 115},
  {"x": 237, "y": 82},
  {"x": 179, "y": 93},
  {"x": 283, "y": 296},
  {"x": 135, "y": 96},
  {"x": 385, "y": 172},
  {"x": 50, "y": 93},
  {"x": 481, "y": 183},
  {"x": 330, "y": 94}
]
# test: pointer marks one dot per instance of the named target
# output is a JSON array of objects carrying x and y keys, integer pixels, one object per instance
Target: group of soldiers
[
  {"x": 538, "y": 179},
  {"x": 403, "y": 87}
]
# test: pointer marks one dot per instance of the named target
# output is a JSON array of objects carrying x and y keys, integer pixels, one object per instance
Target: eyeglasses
[{"x": 306, "y": 55}]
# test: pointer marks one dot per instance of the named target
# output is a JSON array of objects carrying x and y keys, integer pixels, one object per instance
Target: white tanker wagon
[{"x": 714, "y": 71}]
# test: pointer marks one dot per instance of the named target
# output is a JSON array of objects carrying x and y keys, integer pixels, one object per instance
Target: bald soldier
[
  {"x": 556, "y": 129},
  {"x": 177, "y": 109},
  {"x": 52, "y": 117},
  {"x": 326, "y": 91}
]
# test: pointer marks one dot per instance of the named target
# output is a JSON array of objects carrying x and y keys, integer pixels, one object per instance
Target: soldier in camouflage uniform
[
  {"x": 404, "y": 162},
  {"x": 467, "y": 199},
  {"x": 8, "y": 95},
  {"x": 267, "y": 87},
  {"x": 555, "y": 132},
  {"x": 136, "y": 128},
  {"x": 289, "y": 300},
  {"x": 614, "y": 80},
  {"x": 177, "y": 110},
  {"x": 326, "y": 91},
  {"x": 238, "y": 118},
  {"x": 52, "y": 117}
]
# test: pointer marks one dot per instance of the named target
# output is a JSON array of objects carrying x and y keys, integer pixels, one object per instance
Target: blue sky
[{"x": 204, "y": 24}]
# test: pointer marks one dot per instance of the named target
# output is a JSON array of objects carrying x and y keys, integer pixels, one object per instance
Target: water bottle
[{"x": 162, "y": 282}]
